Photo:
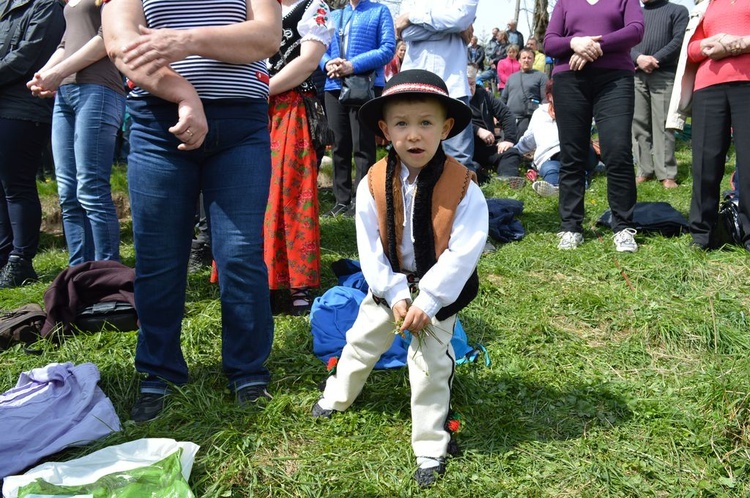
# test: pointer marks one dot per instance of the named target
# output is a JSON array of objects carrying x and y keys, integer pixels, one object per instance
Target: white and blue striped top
[{"x": 212, "y": 79}]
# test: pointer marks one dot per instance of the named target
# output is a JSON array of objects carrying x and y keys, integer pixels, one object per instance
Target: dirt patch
[{"x": 52, "y": 218}]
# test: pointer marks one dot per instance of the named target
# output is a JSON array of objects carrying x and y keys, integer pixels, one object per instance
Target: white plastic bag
[{"x": 118, "y": 458}]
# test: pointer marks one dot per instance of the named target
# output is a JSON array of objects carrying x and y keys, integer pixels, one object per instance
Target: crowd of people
[{"x": 219, "y": 105}]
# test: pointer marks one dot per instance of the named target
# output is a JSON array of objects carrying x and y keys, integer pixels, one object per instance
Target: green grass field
[{"x": 612, "y": 375}]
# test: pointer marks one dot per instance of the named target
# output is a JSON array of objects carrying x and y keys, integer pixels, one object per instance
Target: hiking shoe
[
  {"x": 545, "y": 189},
  {"x": 254, "y": 395},
  {"x": 200, "y": 256},
  {"x": 339, "y": 210},
  {"x": 426, "y": 477},
  {"x": 320, "y": 412},
  {"x": 514, "y": 182},
  {"x": 569, "y": 240},
  {"x": 147, "y": 407},
  {"x": 17, "y": 272},
  {"x": 625, "y": 241}
]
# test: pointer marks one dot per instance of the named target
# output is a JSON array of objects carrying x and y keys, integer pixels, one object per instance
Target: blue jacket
[{"x": 371, "y": 40}]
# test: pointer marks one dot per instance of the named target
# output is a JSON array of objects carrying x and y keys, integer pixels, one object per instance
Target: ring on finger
[{"x": 189, "y": 132}]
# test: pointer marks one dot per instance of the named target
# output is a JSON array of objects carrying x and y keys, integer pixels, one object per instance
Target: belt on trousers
[{"x": 412, "y": 279}]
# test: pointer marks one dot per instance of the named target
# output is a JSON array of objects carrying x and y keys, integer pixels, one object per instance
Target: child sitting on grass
[{"x": 421, "y": 226}]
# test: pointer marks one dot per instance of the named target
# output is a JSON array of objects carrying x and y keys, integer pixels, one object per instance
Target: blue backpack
[{"x": 334, "y": 312}]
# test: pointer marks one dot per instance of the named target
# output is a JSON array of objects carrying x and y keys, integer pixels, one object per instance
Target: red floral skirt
[{"x": 291, "y": 227}]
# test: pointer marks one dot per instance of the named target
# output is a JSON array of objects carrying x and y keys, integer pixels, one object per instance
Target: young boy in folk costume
[{"x": 421, "y": 226}]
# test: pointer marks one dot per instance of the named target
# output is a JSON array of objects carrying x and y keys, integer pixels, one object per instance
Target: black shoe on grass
[
  {"x": 427, "y": 477},
  {"x": 147, "y": 407},
  {"x": 17, "y": 272},
  {"x": 200, "y": 256},
  {"x": 320, "y": 412},
  {"x": 255, "y": 395}
]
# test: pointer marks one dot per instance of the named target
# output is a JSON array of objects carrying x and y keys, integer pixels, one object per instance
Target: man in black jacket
[
  {"x": 30, "y": 31},
  {"x": 490, "y": 153},
  {"x": 475, "y": 52}
]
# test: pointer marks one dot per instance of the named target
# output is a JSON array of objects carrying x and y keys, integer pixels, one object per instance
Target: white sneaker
[
  {"x": 624, "y": 241},
  {"x": 569, "y": 240},
  {"x": 545, "y": 189}
]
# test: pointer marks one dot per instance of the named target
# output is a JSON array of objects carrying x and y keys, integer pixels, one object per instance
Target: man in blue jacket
[{"x": 364, "y": 41}]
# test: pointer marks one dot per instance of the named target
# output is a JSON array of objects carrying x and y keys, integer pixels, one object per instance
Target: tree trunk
[{"x": 541, "y": 20}]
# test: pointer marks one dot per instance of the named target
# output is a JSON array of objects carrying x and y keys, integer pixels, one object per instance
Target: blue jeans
[
  {"x": 85, "y": 122},
  {"x": 461, "y": 146},
  {"x": 550, "y": 169},
  {"x": 233, "y": 170}
]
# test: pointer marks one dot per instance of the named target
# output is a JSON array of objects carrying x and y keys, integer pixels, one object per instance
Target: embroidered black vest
[
  {"x": 290, "y": 44},
  {"x": 423, "y": 227}
]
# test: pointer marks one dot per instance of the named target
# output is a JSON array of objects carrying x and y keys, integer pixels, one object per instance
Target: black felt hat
[{"x": 416, "y": 82}]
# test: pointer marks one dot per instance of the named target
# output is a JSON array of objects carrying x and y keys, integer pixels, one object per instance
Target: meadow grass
[{"x": 612, "y": 375}]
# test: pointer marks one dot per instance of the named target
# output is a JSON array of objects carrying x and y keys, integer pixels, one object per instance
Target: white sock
[
  {"x": 326, "y": 405},
  {"x": 427, "y": 462}
]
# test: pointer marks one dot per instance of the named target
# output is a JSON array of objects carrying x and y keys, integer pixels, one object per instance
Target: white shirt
[
  {"x": 434, "y": 43},
  {"x": 442, "y": 284},
  {"x": 541, "y": 136}
]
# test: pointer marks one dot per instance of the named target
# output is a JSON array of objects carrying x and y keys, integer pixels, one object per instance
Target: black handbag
[
  {"x": 729, "y": 227},
  {"x": 317, "y": 122},
  {"x": 356, "y": 89},
  {"x": 108, "y": 315}
]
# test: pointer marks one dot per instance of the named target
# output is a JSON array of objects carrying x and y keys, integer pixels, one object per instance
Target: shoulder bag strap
[{"x": 523, "y": 88}]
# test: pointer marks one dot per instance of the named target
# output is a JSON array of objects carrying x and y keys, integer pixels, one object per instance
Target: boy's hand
[
  {"x": 415, "y": 320},
  {"x": 399, "y": 310}
]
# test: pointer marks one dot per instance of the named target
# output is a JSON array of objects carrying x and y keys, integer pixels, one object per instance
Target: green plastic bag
[{"x": 162, "y": 479}]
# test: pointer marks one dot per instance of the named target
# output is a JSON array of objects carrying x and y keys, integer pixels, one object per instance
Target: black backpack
[{"x": 21, "y": 325}]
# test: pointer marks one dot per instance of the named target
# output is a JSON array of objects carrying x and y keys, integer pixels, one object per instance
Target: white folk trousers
[{"x": 431, "y": 368}]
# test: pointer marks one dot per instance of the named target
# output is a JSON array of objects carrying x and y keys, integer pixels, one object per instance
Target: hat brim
[{"x": 372, "y": 111}]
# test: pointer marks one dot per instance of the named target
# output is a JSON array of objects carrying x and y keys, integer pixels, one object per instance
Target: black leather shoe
[
  {"x": 147, "y": 407},
  {"x": 427, "y": 477}
]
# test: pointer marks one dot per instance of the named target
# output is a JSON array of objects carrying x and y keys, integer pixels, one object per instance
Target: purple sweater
[{"x": 620, "y": 22}]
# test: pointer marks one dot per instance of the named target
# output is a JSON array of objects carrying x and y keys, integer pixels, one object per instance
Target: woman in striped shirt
[{"x": 199, "y": 104}]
